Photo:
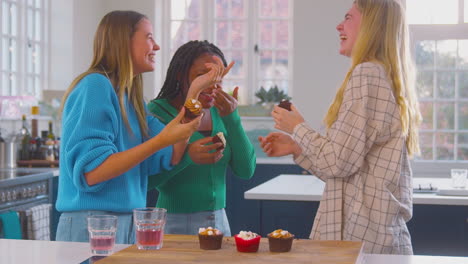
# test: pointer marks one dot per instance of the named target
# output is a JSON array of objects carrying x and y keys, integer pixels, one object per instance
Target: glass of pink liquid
[
  {"x": 149, "y": 223},
  {"x": 102, "y": 230}
]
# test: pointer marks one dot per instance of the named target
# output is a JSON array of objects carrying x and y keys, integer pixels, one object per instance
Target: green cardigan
[{"x": 191, "y": 187}]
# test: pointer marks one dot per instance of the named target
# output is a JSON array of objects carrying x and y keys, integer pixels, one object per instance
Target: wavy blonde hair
[
  {"x": 111, "y": 57},
  {"x": 384, "y": 38}
]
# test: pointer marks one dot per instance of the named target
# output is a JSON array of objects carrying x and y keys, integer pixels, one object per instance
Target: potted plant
[{"x": 268, "y": 98}]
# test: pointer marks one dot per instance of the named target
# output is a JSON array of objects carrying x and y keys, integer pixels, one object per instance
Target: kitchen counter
[
  {"x": 51, "y": 252},
  {"x": 288, "y": 187}
]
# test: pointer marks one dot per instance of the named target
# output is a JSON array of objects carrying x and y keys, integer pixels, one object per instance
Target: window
[
  {"x": 255, "y": 34},
  {"x": 440, "y": 36},
  {"x": 23, "y": 47}
]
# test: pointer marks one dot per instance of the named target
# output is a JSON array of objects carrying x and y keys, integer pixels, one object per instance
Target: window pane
[
  {"x": 425, "y": 142},
  {"x": 37, "y": 26},
  {"x": 29, "y": 24},
  {"x": 282, "y": 33},
  {"x": 29, "y": 59},
  {"x": 5, "y": 88},
  {"x": 266, "y": 8},
  {"x": 466, "y": 11},
  {"x": 463, "y": 54},
  {"x": 462, "y": 146},
  {"x": 13, "y": 51},
  {"x": 5, "y": 17},
  {"x": 221, "y": 38},
  {"x": 37, "y": 86},
  {"x": 238, "y": 70},
  {"x": 446, "y": 55},
  {"x": 13, "y": 84},
  {"x": 185, "y": 9},
  {"x": 38, "y": 3},
  {"x": 6, "y": 54},
  {"x": 445, "y": 115},
  {"x": 425, "y": 54},
  {"x": 183, "y": 31},
  {"x": 237, "y": 34},
  {"x": 445, "y": 84},
  {"x": 14, "y": 20},
  {"x": 194, "y": 30},
  {"x": 282, "y": 8},
  {"x": 432, "y": 11},
  {"x": 266, "y": 65},
  {"x": 427, "y": 112},
  {"x": 445, "y": 145},
  {"x": 463, "y": 116},
  {"x": 237, "y": 9},
  {"x": 266, "y": 34},
  {"x": 463, "y": 84},
  {"x": 222, "y": 9},
  {"x": 36, "y": 59},
  {"x": 194, "y": 9},
  {"x": 30, "y": 85},
  {"x": 425, "y": 84}
]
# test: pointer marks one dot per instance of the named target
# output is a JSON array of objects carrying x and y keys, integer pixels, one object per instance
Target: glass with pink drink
[
  {"x": 102, "y": 230},
  {"x": 149, "y": 223}
]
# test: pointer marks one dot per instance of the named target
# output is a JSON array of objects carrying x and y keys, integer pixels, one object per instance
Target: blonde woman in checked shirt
[{"x": 372, "y": 129}]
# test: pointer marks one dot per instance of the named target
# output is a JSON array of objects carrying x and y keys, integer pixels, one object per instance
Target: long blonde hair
[
  {"x": 384, "y": 38},
  {"x": 111, "y": 57}
]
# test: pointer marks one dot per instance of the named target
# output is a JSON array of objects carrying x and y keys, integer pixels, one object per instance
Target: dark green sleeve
[{"x": 243, "y": 159}]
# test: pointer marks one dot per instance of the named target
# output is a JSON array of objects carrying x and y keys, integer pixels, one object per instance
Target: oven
[{"x": 24, "y": 188}]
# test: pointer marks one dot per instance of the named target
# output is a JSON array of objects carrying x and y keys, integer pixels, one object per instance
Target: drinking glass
[
  {"x": 102, "y": 230},
  {"x": 149, "y": 223},
  {"x": 458, "y": 177}
]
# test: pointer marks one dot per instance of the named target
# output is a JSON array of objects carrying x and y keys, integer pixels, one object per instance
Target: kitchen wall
[{"x": 318, "y": 68}]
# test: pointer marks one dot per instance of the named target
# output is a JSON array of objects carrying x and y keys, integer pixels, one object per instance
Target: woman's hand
[
  {"x": 278, "y": 144},
  {"x": 201, "y": 151},
  {"x": 286, "y": 120},
  {"x": 175, "y": 131},
  {"x": 225, "y": 103},
  {"x": 213, "y": 77}
]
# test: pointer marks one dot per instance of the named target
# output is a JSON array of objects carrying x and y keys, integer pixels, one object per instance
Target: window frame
[
  {"x": 435, "y": 32},
  {"x": 208, "y": 32},
  {"x": 22, "y": 40}
]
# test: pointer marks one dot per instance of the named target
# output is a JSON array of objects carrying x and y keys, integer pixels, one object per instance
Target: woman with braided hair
[{"x": 194, "y": 191}]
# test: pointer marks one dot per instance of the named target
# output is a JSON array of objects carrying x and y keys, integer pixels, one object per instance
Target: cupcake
[
  {"x": 280, "y": 240},
  {"x": 193, "y": 108},
  {"x": 219, "y": 137},
  {"x": 210, "y": 238},
  {"x": 285, "y": 104},
  {"x": 247, "y": 241}
]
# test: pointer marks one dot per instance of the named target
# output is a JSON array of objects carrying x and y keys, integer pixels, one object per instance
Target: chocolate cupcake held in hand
[
  {"x": 285, "y": 104},
  {"x": 193, "y": 108},
  {"x": 219, "y": 137}
]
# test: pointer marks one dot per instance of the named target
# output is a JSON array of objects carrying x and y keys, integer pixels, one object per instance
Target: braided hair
[{"x": 178, "y": 72}]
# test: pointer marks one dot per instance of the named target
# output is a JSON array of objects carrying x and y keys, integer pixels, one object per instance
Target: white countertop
[
  {"x": 288, "y": 187},
  {"x": 51, "y": 252}
]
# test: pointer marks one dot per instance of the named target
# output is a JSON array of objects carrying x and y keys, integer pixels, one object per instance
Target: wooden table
[{"x": 186, "y": 249}]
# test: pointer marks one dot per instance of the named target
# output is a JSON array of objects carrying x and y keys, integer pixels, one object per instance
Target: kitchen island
[{"x": 51, "y": 252}]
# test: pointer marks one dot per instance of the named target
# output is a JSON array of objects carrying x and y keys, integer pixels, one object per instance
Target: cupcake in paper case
[
  {"x": 193, "y": 108},
  {"x": 280, "y": 240},
  {"x": 219, "y": 137},
  {"x": 210, "y": 238},
  {"x": 247, "y": 241}
]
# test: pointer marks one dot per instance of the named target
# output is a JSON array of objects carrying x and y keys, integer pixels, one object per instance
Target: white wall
[{"x": 318, "y": 67}]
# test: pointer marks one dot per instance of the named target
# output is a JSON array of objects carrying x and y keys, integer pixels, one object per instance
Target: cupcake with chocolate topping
[
  {"x": 193, "y": 108},
  {"x": 210, "y": 238},
  {"x": 286, "y": 104},
  {"x": 280, "y": 240}
]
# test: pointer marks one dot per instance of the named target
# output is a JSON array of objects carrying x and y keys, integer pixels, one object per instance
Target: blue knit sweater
[{"x": 92, "y": 130}]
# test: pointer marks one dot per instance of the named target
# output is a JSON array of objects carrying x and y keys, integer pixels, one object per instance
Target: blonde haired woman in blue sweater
[{"x": 110, "y": 144}]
